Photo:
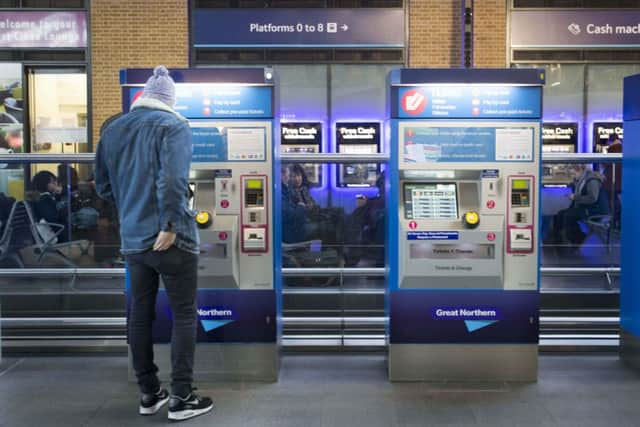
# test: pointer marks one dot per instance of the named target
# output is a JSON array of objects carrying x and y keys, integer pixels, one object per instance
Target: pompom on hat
[{"x": 161, "y": 86}]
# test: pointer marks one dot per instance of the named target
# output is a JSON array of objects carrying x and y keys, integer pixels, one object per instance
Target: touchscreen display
[{"x": 430, "y": 201}]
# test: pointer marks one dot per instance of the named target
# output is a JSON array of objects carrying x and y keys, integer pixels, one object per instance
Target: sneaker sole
[
  {"x": 188, "y": 414},
  {"x": 153, "y": 409}
]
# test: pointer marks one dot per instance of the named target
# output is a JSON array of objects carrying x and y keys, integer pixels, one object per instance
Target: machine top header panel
[
  {"x": 511, "y": 76},
  {"x": 246, "y": 76}
]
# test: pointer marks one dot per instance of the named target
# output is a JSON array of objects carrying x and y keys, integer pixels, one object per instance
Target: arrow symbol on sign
[{"x": 344, "y": 27}]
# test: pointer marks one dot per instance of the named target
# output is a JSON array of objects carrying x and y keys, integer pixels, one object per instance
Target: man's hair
[{"x": 41, "y": 181}]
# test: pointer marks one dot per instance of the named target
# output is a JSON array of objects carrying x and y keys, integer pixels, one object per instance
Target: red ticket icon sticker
[
  {"x": 414, "y": 102},
  {"x": 491, "y": 204},
  {"x": 223, "y": 235},
  {"x": 224, "y": 204},
  {"x": 491, "y": 237},
  {"x": 413, "y": 225}
]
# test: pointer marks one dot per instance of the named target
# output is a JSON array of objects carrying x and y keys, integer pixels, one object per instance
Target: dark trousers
[
  {"x": 179, "y": 272},
  {"x": 567, "y": 220}
]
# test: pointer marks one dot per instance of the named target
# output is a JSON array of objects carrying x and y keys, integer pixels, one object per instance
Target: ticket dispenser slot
[
  {"x": 254, "y": 213},
  {"x": 521, "y": 214}
]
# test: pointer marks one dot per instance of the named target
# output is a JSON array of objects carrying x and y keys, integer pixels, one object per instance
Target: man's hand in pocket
[{"x": 164, "y": 241}]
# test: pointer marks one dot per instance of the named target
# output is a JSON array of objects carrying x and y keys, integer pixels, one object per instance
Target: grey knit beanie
[{"x": 161, "y": 86}]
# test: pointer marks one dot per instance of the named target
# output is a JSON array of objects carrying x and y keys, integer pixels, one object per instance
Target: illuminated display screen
[
  {"x": 430, "y": 201},
  {"x": 254, "y": 184},
  {"x": 520, "y": 184}
]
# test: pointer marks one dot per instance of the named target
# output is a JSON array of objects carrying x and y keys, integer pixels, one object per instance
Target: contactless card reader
[
  {"x": 520, "y": 214},
  {"x": 254, "y": 215}
]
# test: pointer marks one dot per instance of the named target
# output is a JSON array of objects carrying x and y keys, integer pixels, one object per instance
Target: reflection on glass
[
  {"x": 580, "y": 221},
  {"x": 59, "y": 111},
  {"x": 348, "y": 232},
  {"x": 55, "y": 220}
]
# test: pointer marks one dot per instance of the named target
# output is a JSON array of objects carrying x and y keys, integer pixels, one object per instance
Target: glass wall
[
  {"x": 51, "y": 217},
  {"x": 586, "y": 94},
  {"x": 58, "y": 111}
]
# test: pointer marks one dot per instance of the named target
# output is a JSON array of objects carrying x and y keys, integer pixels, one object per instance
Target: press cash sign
[
  {"x": 474, "y": 318},
  {"x": 215, "y": 317},
  {"x": 575, "y": 28}
]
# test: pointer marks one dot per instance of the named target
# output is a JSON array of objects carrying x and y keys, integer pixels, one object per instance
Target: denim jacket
[{"x": 142, "y": 164}]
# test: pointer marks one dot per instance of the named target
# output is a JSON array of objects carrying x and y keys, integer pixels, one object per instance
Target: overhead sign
[
  {"x": 358, "y": 133},
  {"x": 602, "y": 131},
  {"x": 560, "y": 133},
  {"x": 43, "y": 29},
  {"x": 363, "y": 28},
  {"x": 575, "y": 28},
  {"x": 301, "y": 133},
  {"x": 467, "y": 102}
]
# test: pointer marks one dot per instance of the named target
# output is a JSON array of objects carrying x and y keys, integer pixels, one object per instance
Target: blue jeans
[{"x": 179, "y": 272}]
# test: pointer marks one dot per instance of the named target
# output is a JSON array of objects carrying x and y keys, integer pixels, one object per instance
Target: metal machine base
[
  {"x": 460, "y": 362},
  {"x": 630, "y": 349},
  {"x": 223, "y": 362}
]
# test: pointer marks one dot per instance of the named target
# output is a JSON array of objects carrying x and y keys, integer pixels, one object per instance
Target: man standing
[{"x": 142, "y": 164}]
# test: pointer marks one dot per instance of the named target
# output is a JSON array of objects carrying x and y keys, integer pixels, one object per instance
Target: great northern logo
[
  {"x": 215, "y": 317},
  {"x": 414, "y": 102}
]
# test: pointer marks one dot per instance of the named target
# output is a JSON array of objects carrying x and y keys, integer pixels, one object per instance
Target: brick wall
[
  {"x": 129, "y": 34},
  {"x": 434, "y": 33},
  {"x": 490, "y": 33}
]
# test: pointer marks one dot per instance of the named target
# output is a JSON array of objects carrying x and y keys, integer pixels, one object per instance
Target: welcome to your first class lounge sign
[{"x": 43, "y": 29}]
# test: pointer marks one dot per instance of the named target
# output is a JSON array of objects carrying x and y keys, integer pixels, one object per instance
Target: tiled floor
[{"x": 327, "y": 391}]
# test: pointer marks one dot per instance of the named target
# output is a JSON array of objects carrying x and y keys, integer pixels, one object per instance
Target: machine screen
[
  {"x": 520, "y": 184},
  {"x": 430, "y": 201},
  {"x": 254, "y": 184}
]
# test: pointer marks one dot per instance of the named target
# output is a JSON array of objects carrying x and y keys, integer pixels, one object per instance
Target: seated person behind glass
[
  {"x": 588, "y": 199},
  {"x": 614, "y": 146},
  {"x": 49, "y": 206},
  {"x": 293, "y": 214},
  {"x": 299, "y": 188}
]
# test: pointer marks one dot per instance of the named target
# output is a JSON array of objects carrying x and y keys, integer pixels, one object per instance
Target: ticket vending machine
[
  {"x": 463, "y": 236},
  {"x": 231, "y": 115}
]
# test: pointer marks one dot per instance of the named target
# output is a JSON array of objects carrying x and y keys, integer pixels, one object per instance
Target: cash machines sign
[{"x": 465, "y": 152}]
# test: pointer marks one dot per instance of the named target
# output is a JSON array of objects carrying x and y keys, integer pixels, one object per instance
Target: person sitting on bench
[{"x": 588, "y": 199}]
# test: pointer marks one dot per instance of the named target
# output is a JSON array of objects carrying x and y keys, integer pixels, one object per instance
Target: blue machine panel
[
  {"x": 225, "y": 316},
  {"x": 447, "y": 101},
  {"x": 441, "y": 317},
  {"x": 204, "y": 101},
  {"x": 629, "y": 290}
]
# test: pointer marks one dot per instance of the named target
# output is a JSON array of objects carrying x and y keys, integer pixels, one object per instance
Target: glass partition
[
  {"x": 58, "y": 111},
  {"x": 581, "y": 224},
  {"x": 52, "y": 218}
]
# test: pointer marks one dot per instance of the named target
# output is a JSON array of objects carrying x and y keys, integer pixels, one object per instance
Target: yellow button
[
  {"x": 202, "y": 217},
  {"x": 471, "y": 218}
]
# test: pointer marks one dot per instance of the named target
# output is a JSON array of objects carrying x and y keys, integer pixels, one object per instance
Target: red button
[
  {"x": 491, "y": 237},
  {"x": 413, "y": 225},
  {"x": 491, "y": 204},
  {"x": 223, "y": 235},
  {"x": 224, "y": 203}
]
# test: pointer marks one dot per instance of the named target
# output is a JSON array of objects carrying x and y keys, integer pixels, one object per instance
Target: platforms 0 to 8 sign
[{"x": 320, "y": 27}]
